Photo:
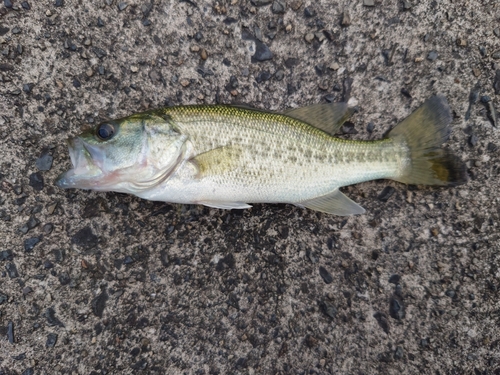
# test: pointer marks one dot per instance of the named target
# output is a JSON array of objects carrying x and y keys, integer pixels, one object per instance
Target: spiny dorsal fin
[
  {"x": 327, "y": 117},
  {"x": 334, "y": 203}
]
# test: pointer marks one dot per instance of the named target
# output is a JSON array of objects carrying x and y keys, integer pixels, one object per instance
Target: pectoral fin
[
  {"x": 327, "y": 117},
  {"x": 217, "y": 161},
  {"x": 225, "y": 205},
  {"x": 334, "y": 203}
]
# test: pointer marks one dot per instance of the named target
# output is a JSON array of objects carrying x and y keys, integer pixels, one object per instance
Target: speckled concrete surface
[{"x": 109, "y": 284}]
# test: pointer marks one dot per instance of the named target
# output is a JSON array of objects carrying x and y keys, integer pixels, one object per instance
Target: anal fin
[
  {"x": 334, "y": 203},
  {"x": 226, "y": 205}
]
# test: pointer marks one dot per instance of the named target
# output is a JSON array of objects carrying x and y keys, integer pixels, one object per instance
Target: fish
[{"x": 228, "y": 157}]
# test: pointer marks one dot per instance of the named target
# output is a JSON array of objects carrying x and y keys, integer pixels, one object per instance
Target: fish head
[{"x": 126, "y": 155}]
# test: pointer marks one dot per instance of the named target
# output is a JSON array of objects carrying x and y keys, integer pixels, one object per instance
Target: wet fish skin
[{"x": 226, "y": 156}]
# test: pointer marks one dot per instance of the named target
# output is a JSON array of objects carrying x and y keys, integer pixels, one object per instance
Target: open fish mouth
[{"x": 85, "y": 174}]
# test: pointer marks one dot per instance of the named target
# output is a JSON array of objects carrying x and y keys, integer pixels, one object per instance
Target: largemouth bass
[{"x": 228, "y": 156}]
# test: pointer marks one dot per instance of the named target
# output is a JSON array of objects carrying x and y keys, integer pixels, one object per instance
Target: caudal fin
[{"x": 423, "y": 132}]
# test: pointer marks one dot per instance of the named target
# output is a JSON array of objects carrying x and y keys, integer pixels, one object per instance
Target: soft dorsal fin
[
  {"x": 327, "y": 117},
  {"x": 334, "y": 203}
]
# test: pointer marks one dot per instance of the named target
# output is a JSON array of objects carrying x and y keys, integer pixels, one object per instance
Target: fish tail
[{"x": 423, "y": 134}]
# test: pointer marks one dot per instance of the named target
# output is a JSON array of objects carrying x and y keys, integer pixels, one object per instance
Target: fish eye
[{"x": 105, "y": 131}]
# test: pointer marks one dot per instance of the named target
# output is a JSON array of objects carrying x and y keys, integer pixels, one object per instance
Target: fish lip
[{"x": 83, "y": 172}]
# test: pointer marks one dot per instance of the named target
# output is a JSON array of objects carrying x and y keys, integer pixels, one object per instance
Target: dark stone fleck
[
  {"x": 19, "y": 357},
  {"x": 330, "y": 98},
  {"x": 99, "y": 52},
  {"x": 64, "y": 278},
  {"x": 76, "y": 83},
  {"x": 325, "y": 275},
  {"x": 450, "y": 293},
  {"x": 396, "y": 309},
  {"x": 99, "y": 303},
  {"x": 278, "y": 7},
  {"x": 7, "y": 3},
  {"x": 52, "y": 320},
  {"x": 406, "y": 93},
  {"x": 309, "y": 12},
  {"x": 328, "y": 309},
  {"x": 395, "y": 279},
  {"x": 30, "y": 243},
  {"x": 6, "y": 67},
  {"x": 28, "y": 371},
  {"x": 100, "y": 22},
  {"x": 51, "y": 340},
  {"x": 48, "y": 264},
  {"x": 59, "y": 3},
  {"x": 433, "y": 55},
  {"x": 382, "y": 321},
  {"x": 142, "y": 364},
  {"x": 262, "y": 52},
  {"x": 47, "y": 228},
  {"x": 259, "y": 3},
  {"x": 10, "y": 332},
  {"x": 3, "y": 31},
  {"x": 36, "y": 181},
  {"x": 85, "y": 238},
  {"x": 263, "y": 76},
  {"x": 26, "y": 5},
  {"x": 128, "y": 260},
  {"x": 473, "y": 140},
  {"x": 16, "y": 30},
  {"x": 122, "y": 5},
  {"x": 6, "y": 255},
  {"x": 226, "y": 62},
  {"x": 28, "y": 87},
  {"x": 44, "y": 162},
  {"x": 398, "y": 353},
  {"x": 3, "y": 298},
  {"x": 370, "y": 127},
  {"x": 11, "y": 270},
  {"x": 496, "y": 82},
  {"x": 386, "y": 193}
]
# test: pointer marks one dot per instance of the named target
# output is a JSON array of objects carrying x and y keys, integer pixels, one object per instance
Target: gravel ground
[{"x": 94, "y": 283}]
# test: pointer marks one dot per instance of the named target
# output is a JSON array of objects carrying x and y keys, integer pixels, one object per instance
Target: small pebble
[
  {"x": 184, "y": 82},
  {"x": 51, "y": 340},
  {"x": 368, "y": 3},
  {"x": 279, "y": 75},
  {"x": 406, "y": 5},
  {"x": 44, "y": 162},
  {"x": 25, "y": 5},
  {"x": 309, "y": 37},
  {"x": 134, "y": 68},
  {"x": 278, "y": 7},
  {"x": 204, "y": 54},
  {"x": 59, "y": 3},
  {"x": 195, "y": 48},
  {"x": 433, "y": 55},
  {"x": 309, "y": 12},
  {"x": 122, "y": 5},
  {"x": 386, "y": 193},
  {"x": 7, "y": 3},
  {"x": 325, "y": 275},
  {"x": 495, "y": 55},
  {"x": 346, "y": 19},
  {"x": 262, "y": 52}
]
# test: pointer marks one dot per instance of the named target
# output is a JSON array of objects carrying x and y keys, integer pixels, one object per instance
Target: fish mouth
[{"x": 85, "y": 174}]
